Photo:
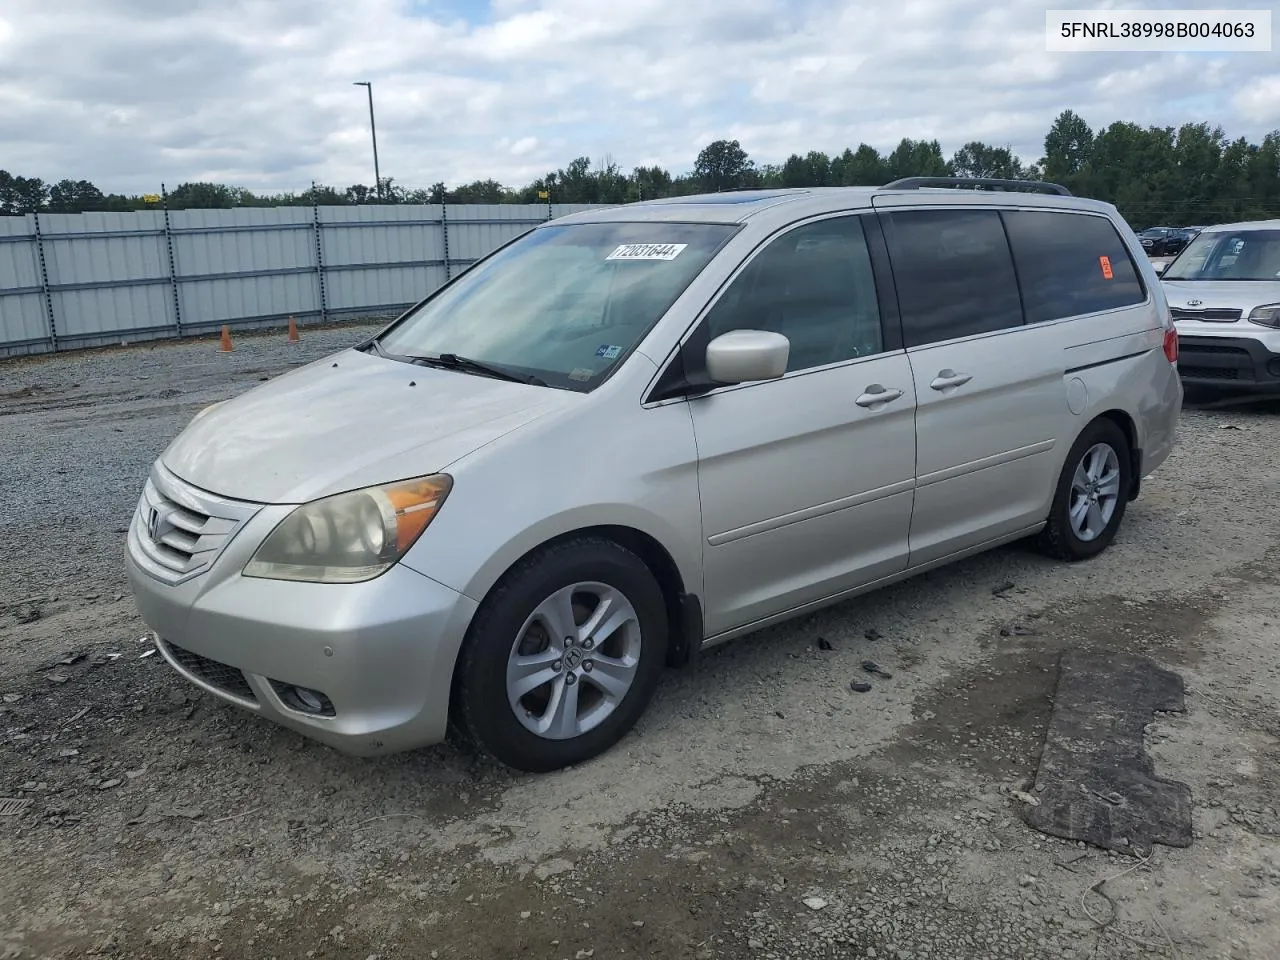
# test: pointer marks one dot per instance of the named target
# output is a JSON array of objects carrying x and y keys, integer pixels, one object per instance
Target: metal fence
[{"x": 91, "y": 279}]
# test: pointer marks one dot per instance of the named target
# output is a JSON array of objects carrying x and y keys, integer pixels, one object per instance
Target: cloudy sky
[{"x": 129, "y": 93}]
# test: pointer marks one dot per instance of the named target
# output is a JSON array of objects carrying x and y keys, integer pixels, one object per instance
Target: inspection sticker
[
  {"x": 647, "y": 251},
  {"x": 608, "y": 351}
]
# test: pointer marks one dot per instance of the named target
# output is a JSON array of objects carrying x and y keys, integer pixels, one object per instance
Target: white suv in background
[{"x": 1224, "y": 294}]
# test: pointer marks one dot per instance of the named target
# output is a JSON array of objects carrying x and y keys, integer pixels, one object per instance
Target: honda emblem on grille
[
  {"x": 1194, "y": 303},
  {"x": 153, "y": 523}
]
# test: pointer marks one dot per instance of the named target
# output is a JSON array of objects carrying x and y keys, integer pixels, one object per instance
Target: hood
[
  {"x": 1241, "y": 295},
  {"x": 349, "y": 421}
]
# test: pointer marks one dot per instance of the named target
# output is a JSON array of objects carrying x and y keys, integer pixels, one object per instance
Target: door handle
[
  {"x": 949, "y": 378},
  {"x": 877, "y": 394}
]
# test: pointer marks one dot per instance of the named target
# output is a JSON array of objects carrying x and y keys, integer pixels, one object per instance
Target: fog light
[
  {"x": 310, "y": 699},
  {"x": 303, "y": 699}
]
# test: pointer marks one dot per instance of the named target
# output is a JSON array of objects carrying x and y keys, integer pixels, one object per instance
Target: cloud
[
  {"x": 130, "y": 93},
  {"x": 1259, "y": 102}
]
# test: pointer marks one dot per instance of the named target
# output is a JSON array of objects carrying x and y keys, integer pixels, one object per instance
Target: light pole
[{"x": 373, "y": 131}]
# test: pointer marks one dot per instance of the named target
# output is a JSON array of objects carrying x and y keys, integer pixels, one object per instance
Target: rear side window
[
  {"x": 954, "y": 274},
  {"x": 1070, "y": 263}
]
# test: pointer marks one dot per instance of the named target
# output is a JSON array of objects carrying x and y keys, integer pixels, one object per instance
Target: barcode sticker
[{"x": 647, "y": 251}]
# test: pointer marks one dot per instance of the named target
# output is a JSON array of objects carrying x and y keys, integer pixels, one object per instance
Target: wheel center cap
[{"x": 572, "y": 658}]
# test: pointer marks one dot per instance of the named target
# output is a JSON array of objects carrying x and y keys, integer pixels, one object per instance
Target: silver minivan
[{"x": 634, "y": 433}]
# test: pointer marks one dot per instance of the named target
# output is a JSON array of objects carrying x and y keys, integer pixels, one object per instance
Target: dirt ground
[{"x": 761, "y": 809}]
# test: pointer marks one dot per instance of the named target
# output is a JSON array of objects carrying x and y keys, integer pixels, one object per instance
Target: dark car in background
[{"x": 1163, "y": 241}]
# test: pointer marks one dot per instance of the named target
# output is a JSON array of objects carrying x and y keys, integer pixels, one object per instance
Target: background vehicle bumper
[
  {"x": 381, "y": 652},
  {"x": 1234, "y": 363}
]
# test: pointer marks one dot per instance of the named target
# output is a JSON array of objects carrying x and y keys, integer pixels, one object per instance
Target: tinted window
[
  {"x": 814, "y": 286},
  {"x": 953, "y": 272},
  {"x": 1069, "y": 264}
]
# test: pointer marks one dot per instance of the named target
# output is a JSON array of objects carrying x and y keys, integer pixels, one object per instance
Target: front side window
[
  {"x": 563, "y": 304},
  {"x": 814, "y": 285},
  {"x": 1070, "y": 264},
  {"x": 954, "y": 274},
  {"x": 1229, "y": 255}
]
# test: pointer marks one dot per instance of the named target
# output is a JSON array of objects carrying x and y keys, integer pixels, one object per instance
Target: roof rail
[{"x": 990, "y": 183}]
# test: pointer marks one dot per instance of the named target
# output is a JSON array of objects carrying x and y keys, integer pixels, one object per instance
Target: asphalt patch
[{"x": 1096, "y": 782}]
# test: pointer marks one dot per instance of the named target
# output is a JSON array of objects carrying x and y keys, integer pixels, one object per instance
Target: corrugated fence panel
[
  {"x": 108, "y": 273},
  {"x": 385, "y": 255},
  {"x": 237, "y": 266},
  {"x": 390, "y": 287},
  {"x": 111, "y": 277},
  {"x": 248, "y": 299},
  {"x": 23, "y": 322},
  {"x": 475, "y": 229}
]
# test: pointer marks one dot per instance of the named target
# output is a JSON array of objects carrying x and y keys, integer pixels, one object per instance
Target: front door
[{"x": 806, "y": 481}]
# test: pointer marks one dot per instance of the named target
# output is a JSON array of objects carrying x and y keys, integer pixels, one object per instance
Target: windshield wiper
[{"x": 451, "y": 361}]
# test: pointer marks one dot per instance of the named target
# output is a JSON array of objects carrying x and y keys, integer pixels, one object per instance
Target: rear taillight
[{"x": 1171, "y": 345}]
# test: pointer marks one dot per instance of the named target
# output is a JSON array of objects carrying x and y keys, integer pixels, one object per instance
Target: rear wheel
[
  {"x": 1092, "y": 493},
  {"x": 563, "y": 656}
]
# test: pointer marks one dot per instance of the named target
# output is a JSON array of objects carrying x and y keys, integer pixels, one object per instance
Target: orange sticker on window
[{"x": 1106, "y": 267}]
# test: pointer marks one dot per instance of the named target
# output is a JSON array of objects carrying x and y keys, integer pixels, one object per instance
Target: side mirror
[{"x": 741, "y": 356}]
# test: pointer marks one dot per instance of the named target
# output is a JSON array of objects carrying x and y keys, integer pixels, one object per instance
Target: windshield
[
  {"x": 565, "y": 304},
  {"x": 1229, "y": 255}
]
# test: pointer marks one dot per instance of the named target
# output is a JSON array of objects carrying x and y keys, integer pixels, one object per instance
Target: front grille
[
  {"x": 181, "y": 529},
  {"x": 220, "y": 676},
  {"x": 1211, "y": 348},
  {"x": 1209, "y": 373},
  {"x": 1211, "y": 315}
]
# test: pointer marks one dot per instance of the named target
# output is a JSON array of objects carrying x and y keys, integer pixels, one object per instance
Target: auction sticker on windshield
[{"x": 647, "y": 251}]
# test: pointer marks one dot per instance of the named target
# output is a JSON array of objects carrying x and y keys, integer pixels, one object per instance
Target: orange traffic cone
[
  {"x": 293, "y": 331},
  {"x": 226, "y": 339}
]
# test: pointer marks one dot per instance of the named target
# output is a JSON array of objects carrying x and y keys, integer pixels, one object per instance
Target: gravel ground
[{"x": 760, "y": 809}]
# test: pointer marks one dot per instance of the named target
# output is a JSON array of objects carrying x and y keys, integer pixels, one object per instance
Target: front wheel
[
  {"x": 1092, "y": 493},
  {"x": 563, "y": 656}
]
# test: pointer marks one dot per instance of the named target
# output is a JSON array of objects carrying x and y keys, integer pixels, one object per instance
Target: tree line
[{"x": 1193, "y": 174}]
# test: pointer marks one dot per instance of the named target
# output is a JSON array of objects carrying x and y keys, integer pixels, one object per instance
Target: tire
[
  {"x": 512, "y": 631},
  {"x": 1062, "y": 538}
]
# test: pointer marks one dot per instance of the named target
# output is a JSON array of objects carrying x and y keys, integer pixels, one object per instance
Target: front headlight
[
  {"x": 1267, "y": 315},
  {"x": 352, "y": 536}
]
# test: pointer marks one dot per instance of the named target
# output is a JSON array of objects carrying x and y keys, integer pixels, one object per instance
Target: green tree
[
  {"x": 359, "y": 193},
  {"x": 917, "y": 158},
  {"x": 478, "y": 191},
  {"x": 811, "y": 170},
  {"x": 863, "y": 167},
  {"x": 1068, "y": 147},
  {"x": 722, "y": 165},
  {"x": 977, "y": 159},
  {"x": 650, "y": 183},
  {"x": 75, "y": 196},
  {"x": 202, "y": 196},
  {"x": 19, "y": 195}
]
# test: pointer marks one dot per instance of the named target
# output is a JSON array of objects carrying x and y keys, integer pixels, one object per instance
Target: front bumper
[
  {"x": 381, "y": 652},
  {"x": 1233, "y": 363}
]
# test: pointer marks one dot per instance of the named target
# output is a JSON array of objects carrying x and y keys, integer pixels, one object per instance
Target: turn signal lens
[{"x": 352, "y": 536}]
